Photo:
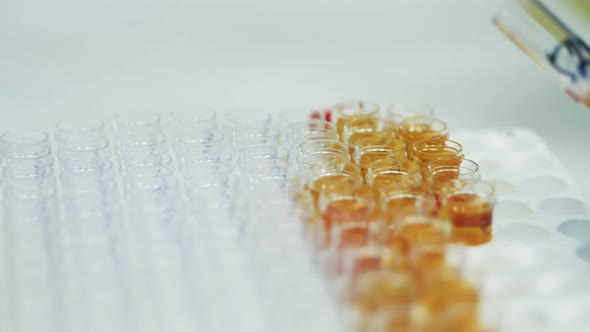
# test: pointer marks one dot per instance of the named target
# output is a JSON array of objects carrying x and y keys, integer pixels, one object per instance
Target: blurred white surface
[{"x": 61, "y": 58}]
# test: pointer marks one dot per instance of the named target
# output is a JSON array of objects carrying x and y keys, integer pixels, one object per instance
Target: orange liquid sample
[
  {"x": 471, "y": 217},
  {"x": 345, "y": 210},
  {"x": 417, "y": 132},
  {"x": 426, "y": 259},
  {"x": 399, "y": 207},
  {"x": 373, "y": 155},
  {"x": 376, "y": 290},
  {"x": 442, "y": 287},
  {"x": 366, "y": 120},
  {"x": 353, "y": 236},
  {"x": 363, "y": 264},
  {"x": 439, "y": 178},
  {"x": 423, "y": 156},
  {"x": 332, "y": 183},
  {"x": 389, "y": 182}
]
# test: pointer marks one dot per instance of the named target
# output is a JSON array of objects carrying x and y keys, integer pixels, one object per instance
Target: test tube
[
  {"x": 397, "y": 205},
  {"x": 155, "y": 144},
  {"x": 414, "y": 129},
  {"x": 469, "y": 206},
  {"x": 302, "y": 131},
  {"x": 446, "y": 151},
  {"x": 36, "y": 158},
  {"x": 193, "y": 119},
  {"x": 131, "y": 125},
  {"x": 199, "y": 144},
  {"x": 391, "y": 175},
  {"x": 338, "y": 207},
  {"x": 74, "y": 132},
  {"x": 415, "y": 231},
  {"x": 245, "y": 136},
  {"x": 24, "y": 137},
  {"x": 216, "y": 169},
  {"x": 332, "y": 177},
  {"x": 441, "y": 171},
  {"x": 84, "y": 153},
  {"x": 380, "y": 289},
  {"x": 320, "y": 151},
  {"x": 255, "y": 122},
  {"x": 378, "y": 126},
  {"x": 377, "y": 147},
  {"x": 77, "y": 178},
  {"x": 264, "y": 162},
  {"x": 29, "y": 182},
  {"x": 354, "y": 113},
  {"x": 455, "y": 316}
]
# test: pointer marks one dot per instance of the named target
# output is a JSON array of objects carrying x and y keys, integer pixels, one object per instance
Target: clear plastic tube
[
  {"x": 76, "y": 132},
  {"x": 199, "y": 144},
  {"x": 321, "y": 151},
  {"x": 302, "y": 131},
  {"x": 193, "y": 119},
  {"x": 264, "y": 158},
  {"x": 137, "y": 124},
  {"x": 154, "y": 143},
  {"x": 218, "y": 170},
  {"x": 246, "y": 136},
  {"x": 24, "y": 137},
  {"x": 35, "y": 157},
  {"x": 89, "y": 152}
]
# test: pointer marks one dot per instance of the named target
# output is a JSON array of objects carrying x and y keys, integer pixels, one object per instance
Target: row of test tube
[{"x": 30, "y": 222}]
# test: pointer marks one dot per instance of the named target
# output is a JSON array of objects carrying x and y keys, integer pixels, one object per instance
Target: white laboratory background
[{"x": 60, "y": 59}]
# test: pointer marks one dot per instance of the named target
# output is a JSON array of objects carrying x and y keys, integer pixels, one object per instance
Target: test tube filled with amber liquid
[
  {"x": 416, "y": 231},
  {"x": 377, "y": 126},
  {"x": 393, "y": 175},
  {"x": 414, "y": 129},
  {"x": 344, "y": 207},
  {"x": 446, "y": 151},
  {"x": 443, "y": 170},
  {"x": 397, "y": 205},
  {"x": 354, "y": 114},
  {"x": 377, "y": 147},
  {"x": 333, "y": 177},
  {"x": 469, "y": 206}
]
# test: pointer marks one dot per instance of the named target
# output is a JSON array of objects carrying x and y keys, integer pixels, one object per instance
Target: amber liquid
[
  {"x": 353, "y": 120},
  {"x": 359, "y": 135},
  {"x": 439, "y": 178},
  {"x": 353, "y": 237},
  {"x": 398, "y": 208},
  {"x": 345, "y": 210},
  {"x": 391, "y": 182},
  {"x": 418, "y": 234},
  {"x": 471, "y": 217},
  {"x": 331, "y": 183},
  {"x": 362, "y": 265},
  {"x": 383, "y": 290},
  {"x": 370, "y": 156},
  {"x": 415, "y": 133},
  {"x": 451, "y": 157},
  {"x": 427, "y": 259}
]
